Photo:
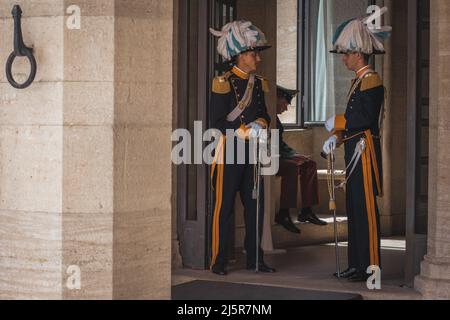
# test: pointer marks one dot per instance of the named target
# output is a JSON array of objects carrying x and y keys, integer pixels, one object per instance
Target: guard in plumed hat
[
  {"x": 238, "y": 103},
  {"x": 359, "y": 131}
]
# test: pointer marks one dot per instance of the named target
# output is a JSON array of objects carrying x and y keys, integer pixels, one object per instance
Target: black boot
[
  {"x": 307, "y": 215},
  {"x": 262, "y": 267},
  {"x": 359, "y": 276},
  {"x": 219, "y": 269},
  {"x": 347, "y": 273},
  {"x": 284, "y": 219}
]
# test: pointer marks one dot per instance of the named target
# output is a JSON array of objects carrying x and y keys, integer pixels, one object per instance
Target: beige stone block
[
  {"x": 137, "y": 103},
  {"x": 97, "y": 8},
  {"x": 88, "y": 244},
  {"x": 436, "y": 268},
  {"x": 30, "y": 255},
  {"x": 432, "y": 289},
  {"x": 45, "y": 36},
  {"x": 31, "y": 168},
  {"x": 88, "y": 169},
  {"x": 89, "y": 51},
  {"x": 300, "y": 140},
  {"x": 145, "y": 53},
  {"x": 149, "y": 9},
  {"x": 41, "y": 104},
  {"x": 88, "y": 103},
  {"x": 33, "y": 8},
  {"x": 142, "y": 168},
  {"x": 142, "y": 255},
  {"x": 287, "y": 17}
]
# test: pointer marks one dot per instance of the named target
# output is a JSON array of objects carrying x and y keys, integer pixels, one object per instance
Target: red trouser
[{"x": 290, "y": 171}]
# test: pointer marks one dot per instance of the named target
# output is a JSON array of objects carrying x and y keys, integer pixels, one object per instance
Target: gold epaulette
[
  {"x": 221, "y": 85},
  {"x": 370, "y": 81},
  {"x": 265, "y": 84}
]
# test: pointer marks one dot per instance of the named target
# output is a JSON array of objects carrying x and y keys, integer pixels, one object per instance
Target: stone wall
[
  {"x": 142, "y": 148},
  {"x": 31, "y": 156},
  {"x": 88, "y": 145},
  {"x": 80, "y": 181},
  {"x": 434, "y": 280},
  {"x": 287, "y": 51}
]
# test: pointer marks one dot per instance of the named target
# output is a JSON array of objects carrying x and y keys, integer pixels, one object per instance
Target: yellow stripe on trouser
[
  {"x": 373, "y": 156},
  {"x": 369, "y": 163},
  {"x": 218, "y": 164}
]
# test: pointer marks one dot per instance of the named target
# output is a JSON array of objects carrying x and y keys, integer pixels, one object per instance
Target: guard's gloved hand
[
  {"x": 330, "y": 145},
  {"x": 254, "y": 126},
  {"x": 255, "y": 129},
  {"x": 329, "y": 125}
]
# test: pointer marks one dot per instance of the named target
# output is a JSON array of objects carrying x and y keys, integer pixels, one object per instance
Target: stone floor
[{"x": 312, "y": 267}]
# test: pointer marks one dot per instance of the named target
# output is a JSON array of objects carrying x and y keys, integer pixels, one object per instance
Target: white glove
[
  {"x": 329, "y": 125},
  {"x": 255, "y": 129},
  {"x": 254, "y": 126},
  {"x": 330, "y": 145}
]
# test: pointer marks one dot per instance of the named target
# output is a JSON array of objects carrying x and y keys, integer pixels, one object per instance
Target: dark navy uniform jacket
[
  {"x": 364, "y": 107},
  {"x": 363, "y": 113},
  {"x": 227, "y": 91}
]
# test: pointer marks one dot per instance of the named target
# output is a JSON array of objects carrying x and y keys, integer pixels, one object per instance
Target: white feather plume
[{"x": 238, "y": 36}]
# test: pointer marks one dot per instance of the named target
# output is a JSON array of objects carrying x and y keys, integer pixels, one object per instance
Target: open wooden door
[{"x": 197, "y": 58}]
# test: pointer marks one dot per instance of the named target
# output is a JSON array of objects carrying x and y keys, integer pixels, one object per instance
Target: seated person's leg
[
  {"x": 310, "y": 193},
  {"x": 288, "y": 198}
]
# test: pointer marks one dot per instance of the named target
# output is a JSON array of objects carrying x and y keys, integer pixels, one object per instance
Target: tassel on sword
[{"x": 331, "y": 179}]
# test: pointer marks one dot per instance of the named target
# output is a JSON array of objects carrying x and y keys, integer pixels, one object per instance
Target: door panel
[
  {"x": 197, "y": 59},
  {"x": 192, "y": 97}
]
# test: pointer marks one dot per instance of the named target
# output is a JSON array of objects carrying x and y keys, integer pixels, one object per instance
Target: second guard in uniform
[
  {"x": 238, "y": 104},
  {"x": 359, "y": 130}
]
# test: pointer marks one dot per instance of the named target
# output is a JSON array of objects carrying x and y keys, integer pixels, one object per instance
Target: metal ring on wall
[
  {"x": 32, "y": 75},
  {"x": 20, "y": 50}
]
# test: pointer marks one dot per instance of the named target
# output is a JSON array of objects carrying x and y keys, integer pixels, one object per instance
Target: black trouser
[
  {"x": 359, "y": 240},
  {"x": 239, "y": 178}
]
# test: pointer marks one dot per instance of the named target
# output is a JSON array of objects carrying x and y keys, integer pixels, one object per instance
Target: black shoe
[
  {"x": 359, "y": 276},
  {"x": 219, "y": 270},
  {"x": 347, "y": 273},
  {"x": 261, "y": 268},
  {"x": 312, "y": 218},
  {"x": 286, "y": 222}
]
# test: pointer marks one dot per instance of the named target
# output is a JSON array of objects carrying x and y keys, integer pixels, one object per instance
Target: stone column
[
  {"x": 85, "y": 171},
  {"x": 88, "y": 170},
  {"x": 31, "y": 156},
  {"x": 142, "y": 149},
  {"x": 434, "y": 280}
]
